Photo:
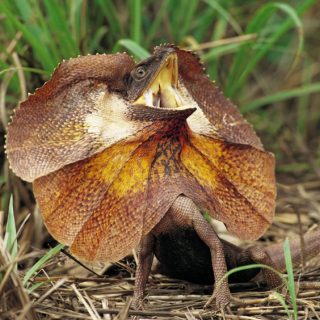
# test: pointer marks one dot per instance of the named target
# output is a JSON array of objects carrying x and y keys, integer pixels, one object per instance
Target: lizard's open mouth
[{"x": 162, "y": 91}]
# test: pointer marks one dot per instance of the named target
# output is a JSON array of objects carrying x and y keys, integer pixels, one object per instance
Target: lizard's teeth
[
  {"x": 177, "y": 97},
  {"x": 158, "y": 102},
  {"x": 148, "y": 98}
]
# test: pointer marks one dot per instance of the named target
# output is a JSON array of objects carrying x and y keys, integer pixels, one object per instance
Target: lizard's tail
[{"x": 310, "y": 249}]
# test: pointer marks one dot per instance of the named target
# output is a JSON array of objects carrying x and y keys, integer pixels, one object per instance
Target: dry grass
[{"x": 69, "y": 291}]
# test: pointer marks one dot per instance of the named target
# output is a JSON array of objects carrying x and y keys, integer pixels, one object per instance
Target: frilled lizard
[{"x": 121, "y": 154}]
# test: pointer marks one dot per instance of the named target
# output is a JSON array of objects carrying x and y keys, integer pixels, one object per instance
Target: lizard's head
[{"x": 154, "y": 81}]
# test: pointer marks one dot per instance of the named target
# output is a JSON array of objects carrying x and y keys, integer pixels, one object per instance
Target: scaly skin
[
  {"x": 186, "y": 246},
  {"x": 120, "y": 153}
]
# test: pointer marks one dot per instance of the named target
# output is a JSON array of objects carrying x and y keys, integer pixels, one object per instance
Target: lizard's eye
[{"x": 140, "y": 73}]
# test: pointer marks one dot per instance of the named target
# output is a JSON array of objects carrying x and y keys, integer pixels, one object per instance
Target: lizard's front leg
[
  {"x": 145, "y": 257},
  {"x": 184, "y": 206}
]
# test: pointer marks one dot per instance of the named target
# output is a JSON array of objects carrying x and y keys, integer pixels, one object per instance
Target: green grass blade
[
  {"x": 36, "y": 22},
  {"x": 223, "y": 50},
  {"x": 109, "y": 10},
  {"x": 247, "y": 59},
  {"x": 280, "y": 298},
  {"x": 155, "y": 25},
  {"x": 97, "y": 38},
  {"x": 138, "y": 51},
  {"x": 173, "y": 18},
  {"x": 218, "y": 33},
  {"x": 11, "y": 232},
  {"x": 25, "y": 9},
  {"x": 57, "y": 21},
  {"x": 282, "y": 95},
  {"x": 188, "y": 14},
  {"x": 25, "y": 69},
  {"x": 36, "y": 286},
  {"x": 41, "y": 50},
  {"x": 40, "y": 263},
  {"x": 224, "y": 14},
  {"x": 75, "y": 20},
  {"x": 249, "y": 267},
  {"x": 136, "y": 10},
  {"x": 291, "y": 285},
  {"x": 7, "y": 7},
  {"x": 202, "y": 23}
]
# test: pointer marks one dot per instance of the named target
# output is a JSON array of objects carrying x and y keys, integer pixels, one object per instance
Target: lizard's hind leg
[
  {"x": 186, "y": 212},
  {"x": 261, "y": 256},
  {"x": 145, "y": 257}
]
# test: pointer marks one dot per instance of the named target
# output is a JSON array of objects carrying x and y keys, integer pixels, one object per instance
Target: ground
[{"x": 69, "y": 291}]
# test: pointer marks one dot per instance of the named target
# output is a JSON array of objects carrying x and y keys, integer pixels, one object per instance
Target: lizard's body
[
  {"x": 183, "y": 255},
  {"x": 122, "y": 153},
  {"x": 188, "y": 248}
]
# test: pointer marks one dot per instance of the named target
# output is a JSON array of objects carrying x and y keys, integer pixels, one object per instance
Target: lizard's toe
[
  {"x": 220, "y": 298},
  {"x": 137, "y": 303}
]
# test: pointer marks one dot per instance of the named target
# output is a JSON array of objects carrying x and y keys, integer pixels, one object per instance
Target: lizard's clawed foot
[
  {"x": 137, "y": 302},
  {"x": 221, "y": 298}
]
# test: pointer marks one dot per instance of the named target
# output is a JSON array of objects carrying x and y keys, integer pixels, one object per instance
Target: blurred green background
[{"x": 263, "y": 54}]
